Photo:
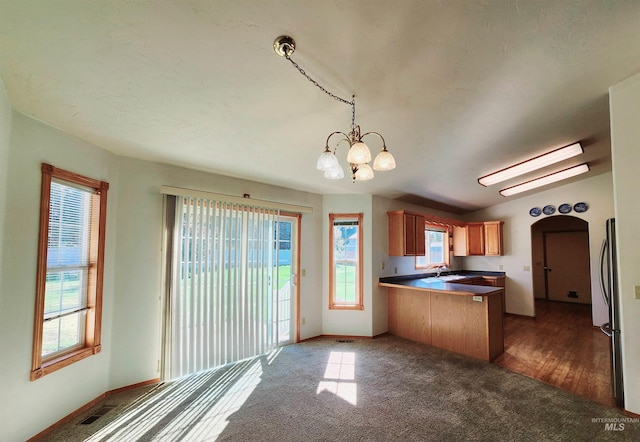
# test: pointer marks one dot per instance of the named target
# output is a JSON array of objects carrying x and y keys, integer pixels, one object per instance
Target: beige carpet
[{"x": 384, "y": 389}]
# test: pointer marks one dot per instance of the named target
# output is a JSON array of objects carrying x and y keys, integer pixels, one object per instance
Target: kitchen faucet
[{"x": 440, "y": 269}]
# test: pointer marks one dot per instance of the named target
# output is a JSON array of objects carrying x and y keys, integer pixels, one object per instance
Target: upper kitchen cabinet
[
  {"x": 406, "y": 233},
  {"x": 475, "y": 238},
  {"x": 493, "y": 238},
  {"x": 478, "y": 239}
]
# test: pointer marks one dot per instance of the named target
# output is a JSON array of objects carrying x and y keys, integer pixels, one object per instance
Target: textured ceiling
[{"x": 458, "y": 88}]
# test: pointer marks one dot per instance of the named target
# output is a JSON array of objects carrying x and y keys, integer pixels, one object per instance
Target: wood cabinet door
[
  {"x": 396, "y": 234},
  {"x": 493, "y": 238},
  {"x": 409, "y": 234},
  {"x": 475, "y": 238},
  {"x": 420, "y": 239},
  {"x": 459, "y": 241}
]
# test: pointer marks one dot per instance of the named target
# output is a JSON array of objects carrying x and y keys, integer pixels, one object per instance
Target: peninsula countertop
[
  {"x": 429, "y": 282},
  {"x": 441, "y": 311}
]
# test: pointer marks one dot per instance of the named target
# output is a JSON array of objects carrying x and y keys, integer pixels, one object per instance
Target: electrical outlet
[
  {"x": 526, "y": 268},
  {"x": 303, "y": 272},
  {"x": 382, "y": 265},
  {"x": 303, "y": 321},
  {"x": 501, "y": 267},
  {"x": 395, "y": 270},
  {"x": 637, "y": 291}
]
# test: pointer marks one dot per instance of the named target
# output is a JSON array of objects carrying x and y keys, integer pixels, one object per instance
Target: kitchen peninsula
[{"x": 449, "y": 312}]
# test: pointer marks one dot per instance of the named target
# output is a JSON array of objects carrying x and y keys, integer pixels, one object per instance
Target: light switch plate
[{"x": 637, "y": 292}]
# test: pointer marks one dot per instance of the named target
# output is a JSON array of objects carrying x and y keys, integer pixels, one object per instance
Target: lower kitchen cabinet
[
  {"x": 491, "y": 281},
  {"x": 455, "y": 322}
]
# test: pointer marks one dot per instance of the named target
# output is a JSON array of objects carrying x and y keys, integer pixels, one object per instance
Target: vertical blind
[{"x": 223, "y": 296}]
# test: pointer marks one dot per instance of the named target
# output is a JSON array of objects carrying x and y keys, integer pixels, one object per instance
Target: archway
[{"x": 561, "y": 261}]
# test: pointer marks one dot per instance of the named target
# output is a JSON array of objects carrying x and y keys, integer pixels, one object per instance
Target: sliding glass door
[
  {"x": 286, "y": 234},
  {"x": 231, "y": 283}
]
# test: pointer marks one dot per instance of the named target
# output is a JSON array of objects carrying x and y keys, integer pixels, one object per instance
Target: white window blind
[
  {"x": 67, "y": 267},
  {"x": 223, "y": 298}
]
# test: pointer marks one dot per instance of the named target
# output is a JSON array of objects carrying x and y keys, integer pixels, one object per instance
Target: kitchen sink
[
  {"x": 451, "y": 277},
  {"x": 431, "y": 279},
  {"x": 442, "y": 278}
]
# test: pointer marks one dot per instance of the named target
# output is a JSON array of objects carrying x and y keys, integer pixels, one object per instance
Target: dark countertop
[{"x": 416, "y": 282}]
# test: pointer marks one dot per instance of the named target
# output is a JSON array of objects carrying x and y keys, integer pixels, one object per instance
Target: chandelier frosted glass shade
[
  {"x": 364, "y": 172},
  {"x": 335, "y": 173},
  {"x": 359, "y": 153},
  {"x": 384, "y": 161},
  {"x": 327, "y": 160}
]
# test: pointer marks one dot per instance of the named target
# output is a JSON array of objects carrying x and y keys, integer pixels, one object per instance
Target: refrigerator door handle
[
  {"x": 603, "y": 252},
  {"x": 606, "y": 329}
]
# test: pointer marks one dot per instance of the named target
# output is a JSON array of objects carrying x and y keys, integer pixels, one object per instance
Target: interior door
[
  {"x": 567, "y": 266},
  {"x": 286, "y": 245}
]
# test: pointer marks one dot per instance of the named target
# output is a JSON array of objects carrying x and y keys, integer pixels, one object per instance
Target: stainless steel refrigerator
[{"x": 609, "y": 286}]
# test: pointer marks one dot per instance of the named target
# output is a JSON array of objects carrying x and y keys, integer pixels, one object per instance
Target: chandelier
[{"x": 359, "y": 155}]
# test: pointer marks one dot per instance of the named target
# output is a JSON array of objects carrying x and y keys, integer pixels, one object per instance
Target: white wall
[
  {"x": 348, "y": 322},
  {"x": 132, "y": 287},
  {"x": 597, "y": 192},
  {"x": 625, "y": 135},
  {"x": 137, "y": 327},
  {"x": 29, "y": 407},
  {"x": 5, "y": 333},
  {"x": 5, "y": 134}
]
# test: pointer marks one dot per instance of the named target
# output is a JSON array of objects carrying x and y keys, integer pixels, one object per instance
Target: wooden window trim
[
  {"x": 447, "y": 242},
  {"x": 93, "y": 327},
  {"x": 333, "y": 305}
]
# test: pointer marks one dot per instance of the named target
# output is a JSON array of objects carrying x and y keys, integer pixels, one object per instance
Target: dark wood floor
[{"x": 560, "y": 347}]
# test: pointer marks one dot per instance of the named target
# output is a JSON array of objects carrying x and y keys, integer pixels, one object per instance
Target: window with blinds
[
  {"x": 65, "y": 299},
  {"x": 70, "y": 268},
  {"x": 345, "y": 261}
]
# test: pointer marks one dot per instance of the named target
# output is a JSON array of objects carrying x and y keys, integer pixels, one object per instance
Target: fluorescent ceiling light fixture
[
  {"x": 547, "y": 179},
  {"x": 535, "y": 163}
]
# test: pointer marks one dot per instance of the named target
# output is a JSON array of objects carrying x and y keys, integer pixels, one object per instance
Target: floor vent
[
  {"x": 97, "y": 414},
  {"x": 344, "y": 340}
]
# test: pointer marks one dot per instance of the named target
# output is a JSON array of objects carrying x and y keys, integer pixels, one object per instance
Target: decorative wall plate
[
  {"x": 580, "y": 207},
  {"x": 564, "y": 208},
  {"x": 535, "y": 211},
  {"x": 549, "y": 210}
]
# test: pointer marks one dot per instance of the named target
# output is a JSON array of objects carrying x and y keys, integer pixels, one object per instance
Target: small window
[
  {"x": 436, "y": 239},
  {"x": 345, "y": 258},
  {"x": 70, "y": 270}
]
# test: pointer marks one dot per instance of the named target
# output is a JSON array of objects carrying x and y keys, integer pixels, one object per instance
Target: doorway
[{"x": 560, "y": 252}]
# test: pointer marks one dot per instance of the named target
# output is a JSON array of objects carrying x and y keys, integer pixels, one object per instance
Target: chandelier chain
[
  {"x": 353, "y": 115},
  {"x": 359, "y": 155},
  {"x": 352, "y": 103}
]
